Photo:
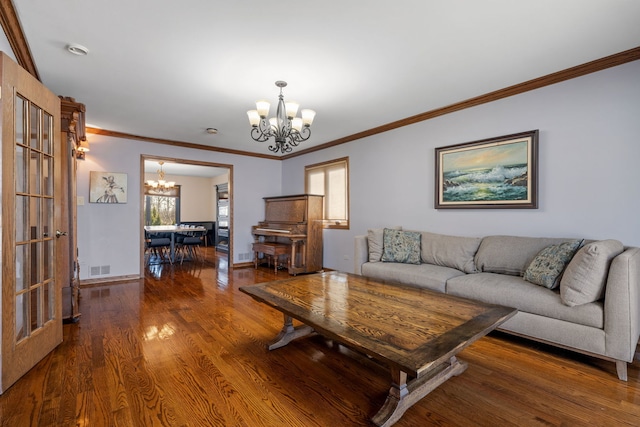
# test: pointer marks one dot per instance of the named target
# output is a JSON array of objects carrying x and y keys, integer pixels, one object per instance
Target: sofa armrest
[
  {"x": 361, "y": 253},
  {"x": 622, "y": 305}
]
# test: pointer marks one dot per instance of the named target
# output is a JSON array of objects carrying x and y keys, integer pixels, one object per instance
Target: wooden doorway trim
[{"x": 144, "y": 157}]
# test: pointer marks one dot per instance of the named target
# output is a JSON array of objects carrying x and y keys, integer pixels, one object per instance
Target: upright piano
[{"x": 295, "y": 221}]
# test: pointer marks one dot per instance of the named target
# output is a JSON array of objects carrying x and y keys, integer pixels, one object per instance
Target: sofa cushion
[
  {"x": 547, "y": 267},
  {"x": 516, "y": 292},
  {"x": 555, "y": 331},
  {"x": 401, "y": 246},
  {"x": 585, "y": 277},
  {"x": 450, "y": 251},
  {"x": 427, "y": 276},
  {"x": 375, "y": 240},
  {"x": 510, "y": 254}
]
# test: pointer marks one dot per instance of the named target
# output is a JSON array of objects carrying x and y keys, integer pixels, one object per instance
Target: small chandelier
[
  {"x": 160, "y": 186},
  {"x": 287, "y": 129}
]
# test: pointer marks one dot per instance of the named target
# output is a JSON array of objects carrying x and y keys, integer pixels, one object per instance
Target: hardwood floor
[{"x": 184, "y": 347}]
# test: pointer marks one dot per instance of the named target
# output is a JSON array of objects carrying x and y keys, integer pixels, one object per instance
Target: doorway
[{"x": 193, "y": 198}]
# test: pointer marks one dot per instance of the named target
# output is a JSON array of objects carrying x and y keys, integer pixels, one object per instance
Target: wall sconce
[{"x": 82, "y": 149}]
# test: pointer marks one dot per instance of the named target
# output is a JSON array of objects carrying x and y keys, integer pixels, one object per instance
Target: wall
[
  {"x": 110, "y": 235},
  {"x": 588, "y": 167},
  {"x": 197, "y": 196}
]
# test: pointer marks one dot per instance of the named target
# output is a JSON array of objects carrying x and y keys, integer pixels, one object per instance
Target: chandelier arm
[
  {"x": 258, "y": 135},
  {"x": 286, "y": 128},
  {"x": 291, "y": 140},
  {"x": 301, "y": 135},
  {"x": 280, "y": 146},
  {"x": 285, "y": 148},
  {"x": 274, "y": 148}
]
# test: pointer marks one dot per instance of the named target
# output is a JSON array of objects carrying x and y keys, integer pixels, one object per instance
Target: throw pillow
[
  {"x": 401, "y": 246},
  {"x": 376, "y": 242},
  {"x": 585, "y": 277},
  {"x": 547, "y": 267}
]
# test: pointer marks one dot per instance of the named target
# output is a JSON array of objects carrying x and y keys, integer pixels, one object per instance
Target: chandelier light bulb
[
  {"x": 308, "y": 116},
  {"x": 254, "y": 117},
  {"x": 296, "y": 124},
  {"x": 291, "y": 108},
  {"x": 263, "y": 108}
]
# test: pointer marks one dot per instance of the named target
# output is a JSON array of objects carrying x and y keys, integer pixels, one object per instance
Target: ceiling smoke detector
[
  {"x": 77, "y": 49},
  {"x": 212, "y": 131}
]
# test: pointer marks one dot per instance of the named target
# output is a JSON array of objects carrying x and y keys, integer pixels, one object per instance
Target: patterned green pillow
[
  {"x": 401, "y": 246},
  {"x": 547, "y": 267}
]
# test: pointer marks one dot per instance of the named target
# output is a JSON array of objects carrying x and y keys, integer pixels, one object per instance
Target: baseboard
[
  {"x": 87, "y": 283},
  {"x": 243, "y": 265},
  {"x": 251, "y": 264}
]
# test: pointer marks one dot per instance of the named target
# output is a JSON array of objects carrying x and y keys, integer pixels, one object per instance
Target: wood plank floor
[{"x": 184, "y": 347}]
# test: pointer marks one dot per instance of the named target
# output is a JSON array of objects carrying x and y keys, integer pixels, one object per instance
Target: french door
[{"x": 31, "y": 190}]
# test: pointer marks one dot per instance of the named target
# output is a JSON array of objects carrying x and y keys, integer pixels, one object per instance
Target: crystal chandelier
[
  {"x": 160, "y": 186},
  {"x": 287, "y": 129}
]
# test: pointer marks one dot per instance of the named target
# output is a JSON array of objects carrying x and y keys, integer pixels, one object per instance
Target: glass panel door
[
  {"x": 35, "y": 249},
  {"x": 31, "y": 309}
]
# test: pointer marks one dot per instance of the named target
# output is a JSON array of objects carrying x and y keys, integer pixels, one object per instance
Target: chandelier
[
  {"x": 287, "y": 130},
  {"x": 160, "y": 186}
]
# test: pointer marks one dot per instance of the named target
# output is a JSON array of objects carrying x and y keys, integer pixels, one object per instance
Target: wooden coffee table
[{"x": 417, "y": 333}]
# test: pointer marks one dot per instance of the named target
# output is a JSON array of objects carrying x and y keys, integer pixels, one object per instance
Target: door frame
[{"x": 154, "y": 157}]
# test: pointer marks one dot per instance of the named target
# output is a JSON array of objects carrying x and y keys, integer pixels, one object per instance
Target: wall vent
[
  {"x": 105, "y": 269},
  {"x": 95, "y": 271}
]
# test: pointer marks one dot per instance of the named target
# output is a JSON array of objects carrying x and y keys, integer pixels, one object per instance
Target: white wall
[
  {"x": 111, "y": 235},
  {"x": 197, "y": 196},
  {"x": 589, "y": 176}
]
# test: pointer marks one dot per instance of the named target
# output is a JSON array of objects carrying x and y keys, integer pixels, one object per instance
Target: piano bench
[{"x": 271, "y": 250}]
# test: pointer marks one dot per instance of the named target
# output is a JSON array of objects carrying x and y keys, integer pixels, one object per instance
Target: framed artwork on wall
[
  {"x": 494, "y": 173},
  {"x": 107, "y": 187}
]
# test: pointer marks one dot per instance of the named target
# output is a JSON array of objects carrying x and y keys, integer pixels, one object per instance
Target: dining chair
[
  {"x": 157, "y": 245},
  {"x": 190, "y": 243}
]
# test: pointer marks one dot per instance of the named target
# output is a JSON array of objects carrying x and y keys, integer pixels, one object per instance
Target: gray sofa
[{"x": 593, "y": 309}]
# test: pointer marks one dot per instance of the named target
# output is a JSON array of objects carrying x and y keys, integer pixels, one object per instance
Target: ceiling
[
  {"x": 184, "y": 169},
  {"x": 169, "y": 70}
]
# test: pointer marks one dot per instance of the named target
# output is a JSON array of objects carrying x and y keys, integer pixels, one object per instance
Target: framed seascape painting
[
  {"x": 107, "y": 187},
  {"x": 491, "y": 173}
]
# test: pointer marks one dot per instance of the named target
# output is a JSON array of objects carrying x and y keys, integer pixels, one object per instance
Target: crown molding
[
  {"x": 13, "y": 30},
  {"x": 116, "y": 134},
  {"x": 18, "y": 42},
  {"x": 550, "y": 79}
]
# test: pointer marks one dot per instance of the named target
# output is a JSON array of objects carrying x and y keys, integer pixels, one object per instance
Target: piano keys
[{"x": 295, "y": 221}]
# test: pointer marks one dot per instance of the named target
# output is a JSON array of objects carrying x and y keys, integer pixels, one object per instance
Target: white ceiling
[
  {"x": 184, "y": 169},
  {"x": 167, "y": 69}
]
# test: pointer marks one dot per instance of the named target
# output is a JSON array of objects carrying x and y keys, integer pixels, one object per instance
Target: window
[
  {"x": 162, "y": 209},
  {"x": 331, "y": 179}
]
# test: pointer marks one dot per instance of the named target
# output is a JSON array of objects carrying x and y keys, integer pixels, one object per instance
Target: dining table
[{"x": 173, "y": 230}]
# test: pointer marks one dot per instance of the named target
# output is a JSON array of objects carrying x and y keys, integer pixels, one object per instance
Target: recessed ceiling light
[
  {"x": 77, "y": 49},
  {"x": 212, "y": 131}
]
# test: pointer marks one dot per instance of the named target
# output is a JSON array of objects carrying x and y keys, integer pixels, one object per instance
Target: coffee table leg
[
  {"x": 403, "y": 394},
  {"x": 289, "y": 333}
]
